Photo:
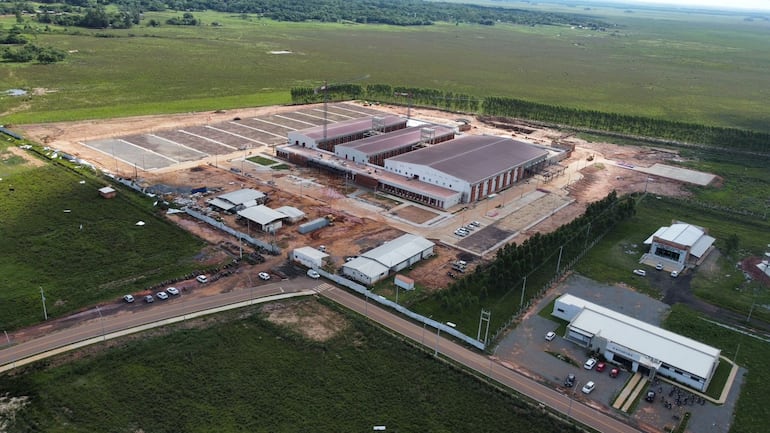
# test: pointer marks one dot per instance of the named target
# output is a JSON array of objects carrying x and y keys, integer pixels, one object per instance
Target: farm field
[
  {"x": 60, "y": 236},
  {"x": 688, "y": 67},
  {"x": 270, "y": 369}
]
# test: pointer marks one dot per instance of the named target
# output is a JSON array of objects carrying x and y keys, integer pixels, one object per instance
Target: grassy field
[
  {"x": 752, "y": 411},
  {"x": 612, "y": 260},
  {"x": 241, "y": 373},
  {"x": 58, "y": 234},
  {"x": 704, "y": 70}
]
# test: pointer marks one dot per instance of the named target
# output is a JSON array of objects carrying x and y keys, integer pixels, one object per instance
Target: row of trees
[
  {"x": 708, "y": 136},
  {"x": 393, "y": 12},
  {"x": 627, "y": 124},
  {"x": 538, "y": 259}
]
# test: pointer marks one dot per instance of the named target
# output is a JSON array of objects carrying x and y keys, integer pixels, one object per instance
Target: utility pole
[
  {"x": 523, "y": 289},
  {"x": 42, "y": 296},
  {"x": 558, "y": 262},
  {"x": 484, "y": 317}
]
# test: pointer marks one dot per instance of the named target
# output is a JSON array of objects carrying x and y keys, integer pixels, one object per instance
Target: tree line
[
  {"x": 392, "y": 12},
  {"x": 538, "y": 259},
  {"x": 564, "y": 117}
]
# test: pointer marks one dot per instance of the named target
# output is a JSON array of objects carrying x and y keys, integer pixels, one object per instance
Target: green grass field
[
  {"x": 612, "y": 260},
  {"x": 58, "y": 234},
  {"x": 673, "y": 67},
  {"x": 240, "y": 373}
]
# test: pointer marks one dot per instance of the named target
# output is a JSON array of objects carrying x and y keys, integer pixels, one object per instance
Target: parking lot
[{"x": 527, "y": 349}]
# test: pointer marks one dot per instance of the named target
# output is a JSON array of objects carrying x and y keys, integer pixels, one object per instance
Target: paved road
[
  {"x": 481, "y": 363},
  {"x": 179, "y": 307},
  {"x": 138, "y": 314}
]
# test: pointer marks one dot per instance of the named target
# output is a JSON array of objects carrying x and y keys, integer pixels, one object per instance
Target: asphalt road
[
  {"x": 134, "y": 315},
  {"x": 139, "y": 314},
  {"x": 484, "y": 364}
]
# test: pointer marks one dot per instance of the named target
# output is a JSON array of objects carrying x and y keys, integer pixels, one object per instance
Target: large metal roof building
[
  {"x": 329, "y": 136},
  {"x": 392, "y": 256},
  {"x": 375, "y": 149},
  {"x": 676, "y": 245},
  {"x": 641, "y": 346}
]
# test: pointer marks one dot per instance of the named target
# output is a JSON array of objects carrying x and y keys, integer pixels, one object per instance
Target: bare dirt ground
[{"x": 320, "y": 194}]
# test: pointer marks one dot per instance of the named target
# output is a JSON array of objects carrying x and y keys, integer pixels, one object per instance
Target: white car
[
  {"x": 475, "y": 223},
  {"x": 659, "y": 266},
  {"x": 172, "y": 291},
  {"x": 264, "y": 275},
  {"x": 161, "y": 295},
  {"x": 313, "y": 274},
  {"x": 128, "y": 298},
  {"x": 202, "y": 279},
  {"x": 589, "y": 365},
  {"x": 674, "y": 274},
  {"x": 640, "y": 272},
  {"x": 550, "y": 336},
  {"x": 588, "y": 387}
]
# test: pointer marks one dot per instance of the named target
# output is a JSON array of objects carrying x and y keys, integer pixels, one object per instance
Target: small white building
[
  {"x": 265, "y": 218},
  {"x": 641, "y": 347},
  {"x": 678, "y": 244},
  {"x": 309, "y": 257},
  {"x": 404, "y": 282},
  {"x": 393, "y": 256},
  {"x": 237, "y": 200},
  {"x": 293, "y": 215}
]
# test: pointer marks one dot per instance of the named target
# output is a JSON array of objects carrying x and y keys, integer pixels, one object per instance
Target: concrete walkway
[{"x": 626, "y": 391}]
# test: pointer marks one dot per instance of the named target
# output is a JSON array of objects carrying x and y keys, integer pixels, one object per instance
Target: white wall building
[
  {"x": 475, "y": 165},
  {"x": 638, "y": 345},
  {"x": 309, "y": 256},
  {"x": 392, "y": 256},
  {"x": 679, "y": 244}
]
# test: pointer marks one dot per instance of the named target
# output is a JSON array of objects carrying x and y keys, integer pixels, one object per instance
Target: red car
[
  {"x": 614, "y": 372},
  {"x": 600, "y": 367}
]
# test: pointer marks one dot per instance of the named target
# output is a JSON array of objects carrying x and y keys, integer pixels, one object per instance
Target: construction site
[{"x": 189, "y": 160}]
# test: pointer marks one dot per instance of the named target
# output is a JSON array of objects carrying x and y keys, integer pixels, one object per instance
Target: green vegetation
[
  {"x": 612, "y": 260},
  {"x": 241, "y": 373},
  {"x": 60, "y": 235},
  {"x": 752, "y": 412},
  {"x": 685, "y": 67},
  {"x": 261, "y": 160},
  {"x": 519, "y": 273}
]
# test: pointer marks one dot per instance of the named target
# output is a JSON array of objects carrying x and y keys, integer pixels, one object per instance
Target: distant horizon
[{"x": 747, "y": 5}]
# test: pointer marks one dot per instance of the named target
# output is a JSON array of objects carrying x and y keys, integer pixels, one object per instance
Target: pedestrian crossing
[{"x": 322, "y": 287}]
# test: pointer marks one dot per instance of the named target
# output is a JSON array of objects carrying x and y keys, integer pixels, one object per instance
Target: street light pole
[{"x": 45, "y": 312}]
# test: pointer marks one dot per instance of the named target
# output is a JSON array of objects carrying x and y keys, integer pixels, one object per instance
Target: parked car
[
  {"x": 162, "y": 295},
  {"x": 264, "y": 276},
  {"x": 588, "y": 387},
  {"x": 659, "y": 266},
  {"x": 614, "y": 372},
  {"x": 640, "y": 272},
  {"x": 550, "y": 336},
  {"x": 650, "y": 396},
  {"x": 470, "y": 227},
  {"x": 569, "y": 382},
  {"x": 149, "y": 299},
  {"x": 202, "y": 279},
  {"x": 128, "y": 298},
  {"x": 475, "y": 223},
  {"x": 674, "y": 274},
  {"x": 313, "y": 274},
  {"x": 600, "y": 367},
  {"x": 590, "y": 364},
  {"x": 172, "y": 291},
  {"x": 461, "y": 234}
]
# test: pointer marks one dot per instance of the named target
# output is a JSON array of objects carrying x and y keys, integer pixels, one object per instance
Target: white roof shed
[
  {"x": 684, "y": 234},
  {"x": 261, "y": 214},
  {"x": 292, "y": 212},
  {"x": 396, "y": 251}
]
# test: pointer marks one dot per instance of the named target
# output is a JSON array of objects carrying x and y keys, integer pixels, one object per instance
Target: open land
[{"x": 692, "y": 67}]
